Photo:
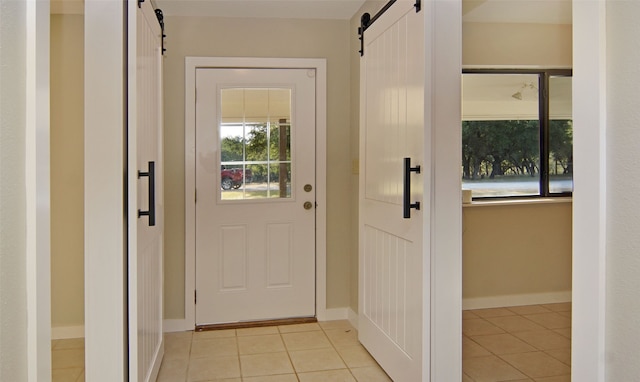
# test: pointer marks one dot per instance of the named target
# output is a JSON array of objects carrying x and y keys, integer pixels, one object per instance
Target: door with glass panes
[{"x": 255, "y": 187}]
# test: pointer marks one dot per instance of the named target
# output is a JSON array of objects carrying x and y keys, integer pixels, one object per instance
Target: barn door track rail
[{"x": 366, "y": 20}]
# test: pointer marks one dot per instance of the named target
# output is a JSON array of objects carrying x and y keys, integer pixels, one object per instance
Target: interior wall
[
  {"x": 622, "y": 189},
  {"x": 225, "y": 37},
  {"x": 370, "y": 7},
  {"x": 13, "y": 219},
  {"x": 516, "y": 249},
  {"x": 67, "y": 171},
  {"x": 509, "y": 44},
  {"x": 519, "y": 249}
]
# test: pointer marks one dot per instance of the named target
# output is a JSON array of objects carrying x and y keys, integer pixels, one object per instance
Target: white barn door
[
  {"x": 146, "y": 217},
  {"x": 392, "y": 266},
  {"x": 410, "y": 206}
]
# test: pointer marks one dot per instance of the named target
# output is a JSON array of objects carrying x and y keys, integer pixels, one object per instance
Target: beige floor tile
[
  {"x": 490, "y": 369},
  {"x": 550, "y": 320},
  {"x": 257, "y": 331},
  {"x": 207, "y": 369},
  {"x": 513, "y": 324},
  {"x": 479, "y": 326},
  {"x": 211, "y": 334},
  {"x": 81, "y": 377},
  {"x": 335, "y": 324},
  {"x": 177, "y": 348},
  {"x": 272, "y": 378},
  {"x": 226, "y": 380},
  {"x": 66, "y": 375},
  {"x": 342, "y": 375},
  {"x": 468, "y": 314},
  {"x": 559, "y": 307},
  {"x": 215, "y": 347},
  {"x": 70, "y": 343},
  {"x": 471, "y": 349},
  {"x": 562, "y": 355},
  {"x": 260, "y": 344},
  {"x": 528, "y": 309},
  {"x": 493, "y": 312},
  {"x": 565, "y": 332},
  {"x": 312, "y": 326},
  {"x": 173, "y": 370},
  {"x": 503, "y": 344},
  {"x": 537, "y": 364},
  {"x": 67, "y": 358},
  {"x": 466, "y": 378},
  {"x": 254, "y": 365},
  {"x": 356, "y": 356},
  {"x": 306, "y": 340},
  {"x": 562, "y": 378},
  {"x": 544, "y": 339},
  {"x": 370, "y": 374},
  {"x": 316, "y": 360},
  {"x": 565, "y": 314},
  {"x": 343, "y": 337}
]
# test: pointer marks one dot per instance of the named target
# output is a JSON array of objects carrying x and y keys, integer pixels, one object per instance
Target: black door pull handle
[
  {"x": 151, "y": 212},
  {"x": 406, "y": 196}
]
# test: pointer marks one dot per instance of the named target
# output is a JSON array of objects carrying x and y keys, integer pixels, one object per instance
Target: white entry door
[
  {"x": 394, "y": 252},
  {"x": 146, "y": 216},
  {"x": 255, "y": 194}
]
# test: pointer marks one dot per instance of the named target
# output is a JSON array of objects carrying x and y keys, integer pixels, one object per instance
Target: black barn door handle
[
  {"x": 151, "y": 212},
  {"x": 406, "y": 202}
]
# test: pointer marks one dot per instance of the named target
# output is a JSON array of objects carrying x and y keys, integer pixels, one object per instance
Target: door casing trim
[{"x": 193, "y": 63}]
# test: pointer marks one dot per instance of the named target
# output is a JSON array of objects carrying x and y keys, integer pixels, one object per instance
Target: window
[{"x": 517, "y": 133}]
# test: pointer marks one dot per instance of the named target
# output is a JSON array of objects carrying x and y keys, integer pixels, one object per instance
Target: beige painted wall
[
  {"x": 203, "y": 36},
  {"x": 67, "y": 169},
  {"x": 516, "y": 44},
  {"x": 516, "y": 249},
  {"x": 519, "y": 249}
]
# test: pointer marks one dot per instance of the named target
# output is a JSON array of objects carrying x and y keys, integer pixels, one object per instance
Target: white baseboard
[
  {"x": 64, "y": 332},
  {"x": 515, "y": 300},
  {"x": 334, "y": 314},
  {"x": 353, "y": 318},
  {"x": 177, "y": 325}
]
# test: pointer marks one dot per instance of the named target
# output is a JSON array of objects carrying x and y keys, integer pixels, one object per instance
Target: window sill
[{"x": 511, "y": 202}]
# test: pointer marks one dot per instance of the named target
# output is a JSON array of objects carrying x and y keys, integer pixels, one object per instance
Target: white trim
[
  {"x": 352, "y": 316},
  {"x": 65, "y": 332},
  {"x": 589, "y": 197},
  {"x": 191, "y": 63},
  {"x": 443, "y": 301},
  {"x": 176, "y": 325},
  {"x": 104, "y": 223},
  {"x": 37, "y": 196},
  {"x": 515, "y": 300},
  {"x": 335, "y": 314}
]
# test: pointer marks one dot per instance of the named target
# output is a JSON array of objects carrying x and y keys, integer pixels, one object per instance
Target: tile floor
[
  {"x": 317, "y": 352},
  {"x": 67, "y": 360},
  {"x": 524, "y": 343}
]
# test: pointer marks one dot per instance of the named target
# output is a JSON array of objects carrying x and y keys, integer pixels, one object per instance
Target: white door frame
[
  {"x": 191, "y": 64},
  {"x": 589, "y": 197}
]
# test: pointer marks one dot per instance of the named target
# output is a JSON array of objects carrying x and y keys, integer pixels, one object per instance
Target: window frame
[{"x": 544, "y": 74}]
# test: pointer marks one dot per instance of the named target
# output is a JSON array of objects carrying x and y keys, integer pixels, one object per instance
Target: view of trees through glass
[
  {"x": 255, "y": 143},
  {"x": 502, "y": 131}
]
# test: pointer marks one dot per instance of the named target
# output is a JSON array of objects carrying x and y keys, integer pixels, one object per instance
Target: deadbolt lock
[
  {"x": 308, "y": 187},
  {"x": 308, "y": 205}
]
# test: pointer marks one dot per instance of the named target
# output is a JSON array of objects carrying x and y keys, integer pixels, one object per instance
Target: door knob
[{"x": 308, "y": 205}]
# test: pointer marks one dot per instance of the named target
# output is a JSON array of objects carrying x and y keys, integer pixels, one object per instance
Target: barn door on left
[{"x": 145, "y": 192}]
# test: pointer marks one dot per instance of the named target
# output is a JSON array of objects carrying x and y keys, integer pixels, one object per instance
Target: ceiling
[
  {"x": 498, "y": 11},
  {"x": 296, "y": 9}
]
